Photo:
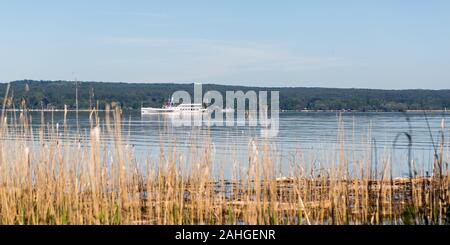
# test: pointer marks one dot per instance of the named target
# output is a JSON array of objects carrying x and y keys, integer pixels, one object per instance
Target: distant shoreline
[
  {"x": 50, "y": 110},
  {"x": 48, "y": 94},
  {"x": 371, "y": 111},
  {"x": 282, "y": 111}
]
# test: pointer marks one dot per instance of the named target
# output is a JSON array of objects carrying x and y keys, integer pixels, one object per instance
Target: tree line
[{"x": 56, "y": 94}]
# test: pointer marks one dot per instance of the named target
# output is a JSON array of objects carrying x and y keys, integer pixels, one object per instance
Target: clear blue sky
[{"x": 368, "y": 44}]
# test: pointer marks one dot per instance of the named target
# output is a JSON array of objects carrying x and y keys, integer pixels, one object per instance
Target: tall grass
[{"x": 87, "y": 179}]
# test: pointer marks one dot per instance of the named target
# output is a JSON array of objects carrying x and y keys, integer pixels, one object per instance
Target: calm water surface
[{"x": 309, "y": 137}]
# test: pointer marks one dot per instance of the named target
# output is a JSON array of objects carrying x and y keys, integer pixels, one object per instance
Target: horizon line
[{"x": 220, "y": 84}]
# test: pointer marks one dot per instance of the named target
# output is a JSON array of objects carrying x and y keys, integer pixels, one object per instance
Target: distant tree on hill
[{"x": 135, "y": 95}]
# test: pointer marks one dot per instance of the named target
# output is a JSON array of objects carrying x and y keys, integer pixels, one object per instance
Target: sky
[{"x": 353, "y": 44}]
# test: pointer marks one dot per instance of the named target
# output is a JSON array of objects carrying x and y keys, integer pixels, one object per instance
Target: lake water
[{"x": 311, "y": 135}]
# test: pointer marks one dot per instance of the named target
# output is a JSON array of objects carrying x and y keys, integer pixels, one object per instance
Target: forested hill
[{"x": 47, "y": 94}]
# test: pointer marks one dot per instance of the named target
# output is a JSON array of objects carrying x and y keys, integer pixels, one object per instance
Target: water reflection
[{"x": 311, "y": 137}]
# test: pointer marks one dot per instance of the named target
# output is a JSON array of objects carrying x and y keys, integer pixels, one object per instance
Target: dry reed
[{"x": 56, "y": 179}]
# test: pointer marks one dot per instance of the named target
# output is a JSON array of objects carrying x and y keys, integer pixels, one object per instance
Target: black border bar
[{"x": 304, "y": 234}]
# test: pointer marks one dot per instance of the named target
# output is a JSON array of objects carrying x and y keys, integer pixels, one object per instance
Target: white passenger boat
[{"x": 171, "y": 108}]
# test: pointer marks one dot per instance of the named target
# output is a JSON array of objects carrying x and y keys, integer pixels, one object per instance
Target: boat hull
[{"x": 150, "y": 111}]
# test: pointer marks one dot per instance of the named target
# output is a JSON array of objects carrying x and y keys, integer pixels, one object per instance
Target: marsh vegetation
[{"x": 96, "y": 178}]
